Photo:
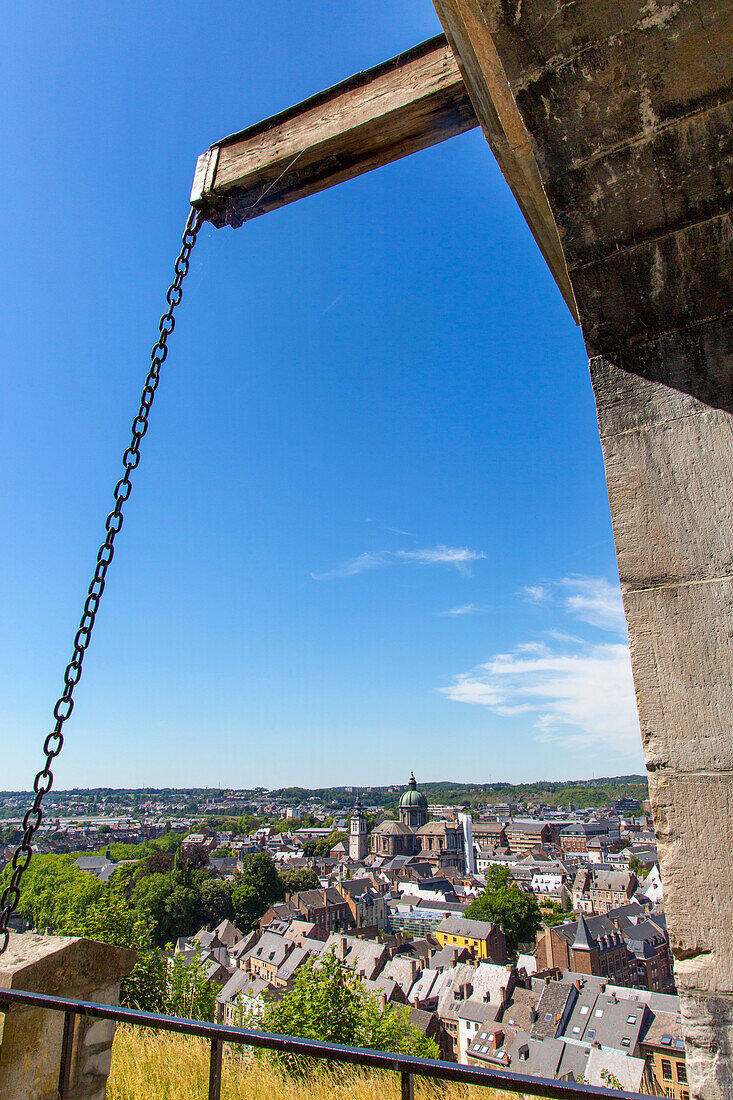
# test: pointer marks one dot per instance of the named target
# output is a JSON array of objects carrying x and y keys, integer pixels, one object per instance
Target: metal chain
[{"x": 53, "y": 744}]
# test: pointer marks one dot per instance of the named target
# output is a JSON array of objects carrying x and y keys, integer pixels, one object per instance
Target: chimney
[
  {"x": 414, "y": 969},
  {"x": 325, "y": 896},
  {"x": 497, "y": 1039},
  {"x": 578, "y": 983},
  {"x": 343, "y": 944}
]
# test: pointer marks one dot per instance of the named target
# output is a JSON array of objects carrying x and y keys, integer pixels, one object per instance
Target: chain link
[{"x": 54, "y": 742}]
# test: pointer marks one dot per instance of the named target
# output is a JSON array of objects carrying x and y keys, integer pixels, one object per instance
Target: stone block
[
  {"x": 99, "y": 1031},
  {"x": 670, "y": 629},
  {"x": 99, "y": 1064},
  {"x": 669, "y": 473},
  {"x": 659, "y": 285},
  {"x": 708, "y": 1027},
  {"x": 693, "y": 816},
  {"x": 697, "y": 153},
  {"x": 665, "y": 379}
]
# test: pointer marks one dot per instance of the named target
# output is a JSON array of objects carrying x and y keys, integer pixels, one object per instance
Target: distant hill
[{"x": 578, "y": 792}]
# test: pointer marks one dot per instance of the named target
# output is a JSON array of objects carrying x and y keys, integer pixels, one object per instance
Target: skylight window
[
  {"x": 584, "y": 1010},
  {"x": 626, "y": 1042},
  {"x": 599, "y": 1012},
  {"x": 576, "y": 1031},
  {"x": 590, "y": 1034},
  {"x": 548, "y": 1017},
  {"x": 631, "y": 1019},
  {"x": 666, "y": 1040}
]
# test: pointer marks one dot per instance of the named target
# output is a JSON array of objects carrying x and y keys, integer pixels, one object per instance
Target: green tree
[
  {"x": 216, "y": 900},
  {"x": 330, "y": 1003},
  {"x": 55, "y": 891},
  {"x": 299, "y": 878},
  {"x": 257, "y": 888},
  {"x": 637, "y": 867},
  {"x": 188, "y": 991},
  {"x": 505, "y": 904},
  {"x": 111, "y": 920}
]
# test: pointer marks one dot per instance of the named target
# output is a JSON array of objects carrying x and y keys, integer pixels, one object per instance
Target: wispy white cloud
[
  {"x": 464, "y": 609},
  {"x": 458, "y": 557},
  {"x": 580, "y": 693},
  {"x": 593, "y": 600},
  {"x": 392, "y": 530},
  {"x": 535, "y": 593},
  {"x": 582, "y": 700},
  {"x": 588, "y": 599}
]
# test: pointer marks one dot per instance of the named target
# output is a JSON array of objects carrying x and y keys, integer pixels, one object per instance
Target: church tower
[{"x": 358, "y": 846}]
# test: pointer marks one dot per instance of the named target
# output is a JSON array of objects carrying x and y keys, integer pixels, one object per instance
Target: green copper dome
[{"x": 413, "y": 797}]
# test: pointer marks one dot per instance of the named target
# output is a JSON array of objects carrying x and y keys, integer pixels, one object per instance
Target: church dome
[{"x": 413, "y": 798}]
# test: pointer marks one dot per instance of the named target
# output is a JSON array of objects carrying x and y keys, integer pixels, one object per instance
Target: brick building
[{"x": 587, "y": 946}]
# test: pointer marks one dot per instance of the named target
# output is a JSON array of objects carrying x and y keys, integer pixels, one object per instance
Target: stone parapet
[{"x": 31, "y": 1039}]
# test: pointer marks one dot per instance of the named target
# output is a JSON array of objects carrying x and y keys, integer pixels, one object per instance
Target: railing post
[
  {"x": 407, "y": 1087},
  {"x": 215, "y": 1070},
  {"x": 67, "y": 1051}
]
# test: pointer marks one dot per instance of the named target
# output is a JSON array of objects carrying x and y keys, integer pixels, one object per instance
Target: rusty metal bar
[
  {"x": 67, "y": 1052},
  {"x": 407, "y": 1064},
  {"x": 215, "y": 1069}
]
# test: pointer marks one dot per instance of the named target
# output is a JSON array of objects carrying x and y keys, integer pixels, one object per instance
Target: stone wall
[{"x": 627, "y": 108}]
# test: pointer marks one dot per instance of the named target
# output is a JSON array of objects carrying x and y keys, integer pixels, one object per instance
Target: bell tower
[{"x": 358, "y": 846}]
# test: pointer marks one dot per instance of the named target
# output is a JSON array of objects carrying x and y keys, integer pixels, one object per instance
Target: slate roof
[
  {"x": 241, "y": 983},
  {"x": 597, "y": 928},
  {"x": 459, "y": 926},
  {"x": 542, "y": 1056},
  {"x": 228, "y": 933},
  {"x": 392, "y": 828},
  {"x": 521, "y": 1009},
  {"x": 555, "y": 999},
  {"x": 270, "y": 948},
  {"x": 583, "y": 939},
  {"x": 365, "y": 956},
  {"x": 629, "y": 1071},
  {"x": 663, "y": 1025},
  {"x": 297, "y": 956},
  {"x": 606, "y": 1021}
]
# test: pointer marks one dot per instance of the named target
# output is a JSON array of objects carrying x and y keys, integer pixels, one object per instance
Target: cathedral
[{"x": 440, "y": 843}]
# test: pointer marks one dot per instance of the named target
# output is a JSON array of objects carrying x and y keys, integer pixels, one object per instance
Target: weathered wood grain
[{"x": 403, "y": 105}]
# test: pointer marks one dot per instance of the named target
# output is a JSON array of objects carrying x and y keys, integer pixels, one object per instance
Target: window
[
  {"x": 584, "y": 1010},
  {"x": 548, "y": 1017},
  {"x": 599, "y": 1012},
  {"x": 631, "y": 1019},
  {"x": 576, "y": 1031},
  {"x": 626, "y": 1042},
  {"x": 682, "y": 1073},
  {"x": 666, "y": 1070},
  {"x": 590, "y": 1034}
]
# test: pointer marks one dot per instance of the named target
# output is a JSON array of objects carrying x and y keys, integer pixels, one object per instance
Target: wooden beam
[
  {"x": 408, "y": 103},
  {"x": 470, "y": 37}
]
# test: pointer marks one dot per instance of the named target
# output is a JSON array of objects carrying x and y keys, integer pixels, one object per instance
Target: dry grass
[{"x": 161, "y": 1066}]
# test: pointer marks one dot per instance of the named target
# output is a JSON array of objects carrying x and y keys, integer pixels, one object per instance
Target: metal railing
[{"x": 407, "y": 1066}]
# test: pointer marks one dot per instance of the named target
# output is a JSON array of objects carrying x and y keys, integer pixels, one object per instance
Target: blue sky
[{"x": 370, "y": 529}]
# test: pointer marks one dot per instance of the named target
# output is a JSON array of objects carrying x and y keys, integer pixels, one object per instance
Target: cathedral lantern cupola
[{"x": 413, "y": 808}]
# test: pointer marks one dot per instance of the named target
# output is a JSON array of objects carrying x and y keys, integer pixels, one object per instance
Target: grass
[{"x": 149, "y": 1065}]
